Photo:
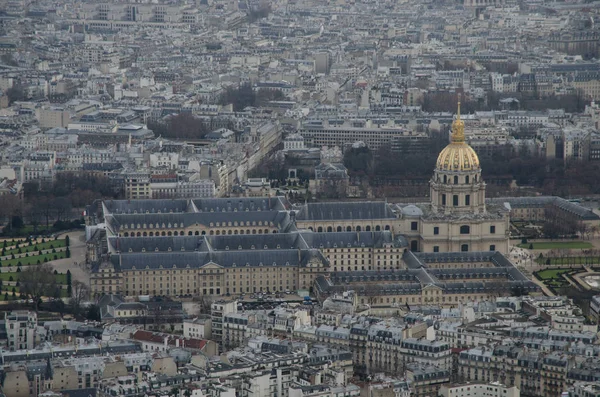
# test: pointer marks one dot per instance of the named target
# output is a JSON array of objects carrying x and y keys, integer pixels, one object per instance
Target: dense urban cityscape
[{"x": 299, "y": 198}]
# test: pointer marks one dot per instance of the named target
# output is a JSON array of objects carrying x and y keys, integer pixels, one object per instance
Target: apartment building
[
  {"x": 531, "y": 371},
  {"x": 20, "y": 329},
  {"x": 493, "y": 389},
  {"x": 199, "y": 328},
  {"x": 318, "y": 133}
]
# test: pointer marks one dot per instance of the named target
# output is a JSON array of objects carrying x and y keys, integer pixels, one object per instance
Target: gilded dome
[{"x": 458, "y": 155}]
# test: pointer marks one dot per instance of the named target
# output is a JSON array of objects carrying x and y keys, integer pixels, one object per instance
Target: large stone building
[
  {"x": 220, "y": 246},
  {"x": 458, "y": 217}
]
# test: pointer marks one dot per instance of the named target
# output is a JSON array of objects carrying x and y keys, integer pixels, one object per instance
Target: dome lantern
[{"x": 458, "y": 156}]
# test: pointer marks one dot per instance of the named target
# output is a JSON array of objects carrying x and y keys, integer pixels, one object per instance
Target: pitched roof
[
  {"x": 172, "y": 340},
  {"x": 346, "y": 211}
]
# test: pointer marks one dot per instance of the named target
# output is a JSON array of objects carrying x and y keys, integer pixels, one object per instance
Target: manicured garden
[
  {"x": 33, "y": 247},
  {"x": 10, "y": 285},
  {"x": 14, "y": 276},
  {"x": 35, "y": 260},
  {"x": 29, "y": 252},
  {"x": 555, "y": 278},
  {"x": 550, "y": 274},
  {"x": 546, "y": 245}
]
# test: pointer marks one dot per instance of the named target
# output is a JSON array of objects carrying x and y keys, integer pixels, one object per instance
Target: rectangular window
[
  {"x": 468, "y": 199},
  {"x": 455, "y": 200},
  {"x": 443, "y": 199},
  {"x": 413, "y": 226},
  {"x": 492, "y": 248},
  {"x": 436, "y": 248},
  {"x": 436, "y": 230},
  {"x": 492, "y": 231}
]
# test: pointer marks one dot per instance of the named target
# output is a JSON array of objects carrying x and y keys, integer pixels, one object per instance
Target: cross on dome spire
[{"x": 458, "y": 129}]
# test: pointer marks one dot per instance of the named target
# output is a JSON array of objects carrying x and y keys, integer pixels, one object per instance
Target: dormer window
[
  {"x": 156, "y": 249},
  {"x": 265, "y": 247},
  {"x": 226, "y": 248},
  {"x": 130, "y": 250},
  {"x": 169, "y": 249},
  {"x": 143, "y": 249}
]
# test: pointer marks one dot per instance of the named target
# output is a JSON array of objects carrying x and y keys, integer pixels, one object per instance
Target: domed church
[{"x": 457, "y": 218}]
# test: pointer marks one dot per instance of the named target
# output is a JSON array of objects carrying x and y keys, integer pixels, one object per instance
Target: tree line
[
  {"x": 52, "y": 207},
  {"x": 244, "y": 95},
  {"x": 548, "y": 176}
]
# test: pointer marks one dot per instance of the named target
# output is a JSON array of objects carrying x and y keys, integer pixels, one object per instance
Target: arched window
[
  {"x": 377, "y": 228},
  {"x": 339, "y": 228},
  {"x": 456, "y": 179},
  {"x": 358, "y": 228},
  {"x": 368, "y": 228},
  {"x": 329, "y": 229},
  {"x": 348, "y": 228},
  {"x": 320, "y": 229},
  {"x": 465, "y": 229},
  {"x": 414, "y": 245}
]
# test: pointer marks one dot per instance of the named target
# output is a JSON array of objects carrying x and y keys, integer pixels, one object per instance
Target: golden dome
[{"x": 458, "y": 155}]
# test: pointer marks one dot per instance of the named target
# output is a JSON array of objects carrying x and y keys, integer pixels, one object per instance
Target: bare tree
[
  {"x": 62, "y": 206},
  {"x": 37, "y": 281},
  {"x": 81, "y": 293},
  {"x": 10, "y": 206}
]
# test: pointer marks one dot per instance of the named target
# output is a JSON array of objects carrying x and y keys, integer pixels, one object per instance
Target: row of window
[
  {"x": 455, "y": 201},
  {"x": 463, "y": 248},
  {"x": 467, "y": 179},
  {"x": 330, "y": 229},
  {"x": 464, "y": 229}
]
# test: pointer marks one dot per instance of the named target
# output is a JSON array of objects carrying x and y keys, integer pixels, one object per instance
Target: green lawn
[
  {"x": 29, "y": 228},
  {"x": 36, "y": 247},
  {"x": 557, "y": 244},
  {"x": 550, "y": 274},
  {"x": 60, "y": 278},
  {"x": 33, "y": 260}
]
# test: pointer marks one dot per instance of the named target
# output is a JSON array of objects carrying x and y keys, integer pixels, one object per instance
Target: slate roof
[
  {"x": 293, "y": 240},
  {"x": 144, "y": 206},
  {"x": 499, "y": 274},
  {"x": 137, "y": 244},
  {"x": 197, "y": 259},
  {"x": 241, "y": 204},
  {"x": 345, "y": 211},
  {"x": 352, "y": 239},
  {"x": 542, "y": 201},
  {"x": 184, "y": 220},
  {"x": 255, "y": 241}
]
